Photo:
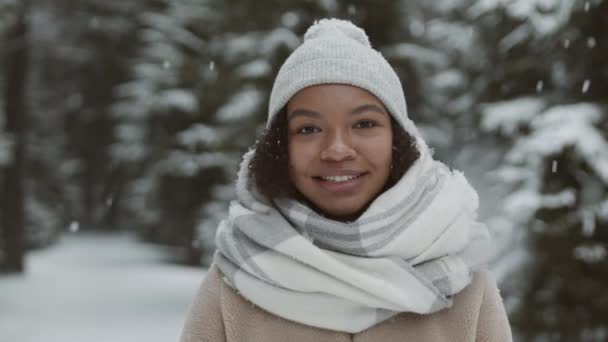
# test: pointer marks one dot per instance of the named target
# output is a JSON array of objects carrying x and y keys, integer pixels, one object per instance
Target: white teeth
[{"x": 338, "y": 179}]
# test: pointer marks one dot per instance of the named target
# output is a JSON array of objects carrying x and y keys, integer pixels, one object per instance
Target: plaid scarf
[{"x": 414, "y": 247}]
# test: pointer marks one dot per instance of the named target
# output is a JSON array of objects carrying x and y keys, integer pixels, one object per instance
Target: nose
[{"x": 338, "y": 148}]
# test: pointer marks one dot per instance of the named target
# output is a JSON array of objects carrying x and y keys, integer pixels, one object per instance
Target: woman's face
[{"x": 340, "y": 148}]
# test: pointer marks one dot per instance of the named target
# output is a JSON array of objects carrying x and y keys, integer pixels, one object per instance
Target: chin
[{"x": 343, "y": 213}]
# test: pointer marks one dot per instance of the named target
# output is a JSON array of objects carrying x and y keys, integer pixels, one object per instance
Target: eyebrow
[
  {"x": 359, "y": 110},
  {"x": 303, "y": 112},
  {"x": 368, "y": 108}
]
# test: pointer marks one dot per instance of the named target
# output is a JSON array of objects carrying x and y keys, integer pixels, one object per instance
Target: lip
[
  {"x": 347, "y": 186},
  {"x": 341, "y": 173}
]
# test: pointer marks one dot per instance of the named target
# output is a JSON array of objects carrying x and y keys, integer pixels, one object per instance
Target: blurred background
[{"x": 122, "y": 124}]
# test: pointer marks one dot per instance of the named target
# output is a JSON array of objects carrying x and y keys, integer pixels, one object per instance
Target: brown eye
[
  {"x": 365, "y": 124},
  {"x": 308, "y": 130}
]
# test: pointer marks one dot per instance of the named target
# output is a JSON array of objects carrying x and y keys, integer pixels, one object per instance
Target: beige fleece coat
[{"x": 220, "y": 314}]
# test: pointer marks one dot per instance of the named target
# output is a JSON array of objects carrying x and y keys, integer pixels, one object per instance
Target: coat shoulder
[
  {"x": 204, "y": 321},
  {"x": 493, "y": 323}
]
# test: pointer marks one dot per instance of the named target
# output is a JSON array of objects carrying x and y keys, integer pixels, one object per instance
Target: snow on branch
[
  {"x": 190, "y": 10},
  {"x": 180, "y": 99},
  {"x": 188, "y": 164},
  {"x": 507, "y": 117},
  {"x": 525, "y": 202},
  {"x": 235, "y": 47},
  {"x": 171, "y": 28},
  {"x": 512, "y": 174},
  {"x": 255, "y": 69},
  {"x": 242, "y": 105},
  {"x": 417, "y": 53},
  {"x": 279, "y": 37},
  {"x": 200, "y": 135},
  {"x": 563, "y": 126},
  {"x": 545, "y": 16}
]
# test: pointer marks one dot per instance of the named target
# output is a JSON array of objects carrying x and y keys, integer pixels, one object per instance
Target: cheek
[
  {"x": 380, "y": 153},
  {"x": 301, "y": 157}
]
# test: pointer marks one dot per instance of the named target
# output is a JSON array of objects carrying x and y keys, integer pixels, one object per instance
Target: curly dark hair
[{"x": 270, "y": 165}]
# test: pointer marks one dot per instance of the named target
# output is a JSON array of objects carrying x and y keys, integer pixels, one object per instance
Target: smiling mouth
[{"x": 340, "y": 178}]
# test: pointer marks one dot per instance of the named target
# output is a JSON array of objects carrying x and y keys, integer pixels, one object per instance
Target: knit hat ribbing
[{"x": 338, "y": 52}]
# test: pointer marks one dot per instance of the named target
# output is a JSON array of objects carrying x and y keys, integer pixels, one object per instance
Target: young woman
[{"x": 345, "y": 227}]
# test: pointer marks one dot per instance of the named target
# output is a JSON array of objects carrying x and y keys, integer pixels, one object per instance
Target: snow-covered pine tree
[
  {"x": 78, "y": 54},
  {"x": 12, "y": 185},
  {"x": 163, "y": 139},
  {"x": 555, "y": 122}
]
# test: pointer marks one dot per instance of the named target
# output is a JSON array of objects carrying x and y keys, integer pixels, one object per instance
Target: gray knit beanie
[{"x": 338, "y": 52}]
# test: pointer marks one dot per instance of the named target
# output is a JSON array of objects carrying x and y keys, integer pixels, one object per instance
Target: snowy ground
[{"x": 97, "y": 288}]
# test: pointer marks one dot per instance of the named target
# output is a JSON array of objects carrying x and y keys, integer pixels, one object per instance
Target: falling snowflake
[
  {"x": 74, "y": 227},
  {"x": 352, "y": 10},
  {"x": 588, "y": 223},
  {"x": 590, "y": 253},
  {"x": 539, "y": 86},
  {"x": 586, "y": 86},
  {"x": 94, "y": 23}
]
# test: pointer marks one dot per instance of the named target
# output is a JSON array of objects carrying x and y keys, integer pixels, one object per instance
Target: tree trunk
[{"x": 12, "y": 220}]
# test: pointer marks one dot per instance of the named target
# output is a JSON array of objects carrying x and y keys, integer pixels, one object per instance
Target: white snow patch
[
  {"x": 417, "y": 27},
  {"x": 416, "y": 53},
  {"x": 518, "y": 35},
  {"x": 180, "y": 99},
  {"x": 242, "y": 105},
  {"x": 449, "y": 79},
  {"x": 152, "y": 72},
  {"x": 188, "y": 164},
  {"x": 97, "y": 288},
  {"x": 564, "y": 198},
  {"x": 563, "y": 126},
  {"x": 172, "y": 29},
  {"x": 199, "y": 135},
  {"x": 130, "y": 132},
  {"x": 451, "y": 36},
  {"x": 254, "y": 69},
  {"x": 277, "y": 38},
  {"x": 128, "y": 151},
  {"x": 525, "y": 202},
  {"x": 290, "y": 19},
  {"x": 507, "y": 116},
  {"x": 590, "y": 253},
  {"x": 545, "y": 16},
  {"x": 329, "y": 5},
  {"x": 512, "y": 174}
]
